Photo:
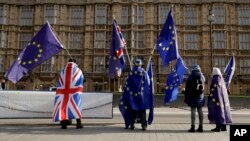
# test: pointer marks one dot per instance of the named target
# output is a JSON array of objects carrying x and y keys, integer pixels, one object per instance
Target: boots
[
  {"x": 78, "y": 123},
  {"x": 216, "y": 129},
  {"x": 200, "y": 129},
  {"x": 223, "y": 127},
  {"x": 192, "y": 129}
]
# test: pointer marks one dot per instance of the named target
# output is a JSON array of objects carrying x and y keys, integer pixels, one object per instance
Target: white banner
[{"x": 39, "y": 104}]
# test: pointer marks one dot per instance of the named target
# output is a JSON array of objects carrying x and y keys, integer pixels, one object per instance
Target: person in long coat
[
  {"x": 194, "y": 96},
  {"x": 218, "y": 103}
]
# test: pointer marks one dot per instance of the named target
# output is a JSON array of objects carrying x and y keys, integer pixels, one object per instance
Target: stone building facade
[{"x": 84, "y": 28}]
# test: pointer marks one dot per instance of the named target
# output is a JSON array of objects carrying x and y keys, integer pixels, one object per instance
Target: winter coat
[{"x": 194, "y": 96}]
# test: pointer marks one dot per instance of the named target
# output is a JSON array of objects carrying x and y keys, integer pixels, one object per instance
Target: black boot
[
  {"x": 192, "y": 129},
  {"x": 63, "y": 124},
  {"x": 216, "y": 129},
  {"x": 132, "y": 127},
  {"x": 78, "y": 123},
  {"x": 200, "y": 129},
  {"x": 223, "y": 127}
]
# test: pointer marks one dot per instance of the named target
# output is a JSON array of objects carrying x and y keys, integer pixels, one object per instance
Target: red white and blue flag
[
  {"x": 116, "y": 58},
  {"x": 68, "y": 99}
]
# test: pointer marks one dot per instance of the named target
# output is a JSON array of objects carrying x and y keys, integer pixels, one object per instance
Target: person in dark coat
[
  {"x": 194, "y": 96},
  {"x": 218, "y": 103}
]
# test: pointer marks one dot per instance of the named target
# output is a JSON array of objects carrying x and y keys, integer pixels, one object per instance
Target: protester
[
  {"x": 136, "y": 97},
  {"x": 218, "y": 103},
  {"x": 194, "y": 96},
  {"x": 68, "y": 100}
]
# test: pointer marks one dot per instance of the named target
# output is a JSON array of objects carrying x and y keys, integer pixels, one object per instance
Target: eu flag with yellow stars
[
  {"x": 41, "y": 47},
  {"x": 167, "y": 41},
  {"x": 174, "y": 80}
]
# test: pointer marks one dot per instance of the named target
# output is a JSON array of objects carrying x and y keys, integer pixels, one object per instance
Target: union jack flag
[
  {"x": 116, "y": 58},
  {"x": 68, "y": 102}
]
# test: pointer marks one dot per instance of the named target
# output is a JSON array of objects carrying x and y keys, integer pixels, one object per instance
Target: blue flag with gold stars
[
  {"x": 174, "y": 80},
  {"x": 41, "y": 47},
  {"x": 229, "y": 70},
  {"x": 136, "y": 94},
  {"x": 167, "y": 41}
]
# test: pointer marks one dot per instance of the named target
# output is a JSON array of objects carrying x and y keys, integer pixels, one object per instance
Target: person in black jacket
[{"x": 194, "y": 96}]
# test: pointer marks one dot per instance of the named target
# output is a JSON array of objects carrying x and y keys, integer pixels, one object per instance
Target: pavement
[{"x": 170, "y": 124}]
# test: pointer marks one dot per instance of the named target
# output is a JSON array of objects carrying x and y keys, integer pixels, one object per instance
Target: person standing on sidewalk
[
  {"x": 194, "y": 96},
  {"x": 68, "y": 99},
  {"x": 136, "y": 97},
  {"x": 218, "y": 103}
]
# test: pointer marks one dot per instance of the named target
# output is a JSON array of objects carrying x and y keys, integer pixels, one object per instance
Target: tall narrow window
[
  {"x": 50, "y": 13},
  {"x": 163, "y": 69},
  {"x": 163, "y": 13},
  {"x": 1, "y": 63},
  {"x": 24, "y": 39},
  {"x": 245, "y": 41},
  {"x": 190, "y": 15},
  {"x": 99, "y": 39},
  {"x": 99, "y": 64},
  {"x": 245, "y": 66},
  {"x": 190, "y": 62},
  {"x": 26, "y": 17},
  {"x": 191, "y": 41},
  {"x": 77, "y": 15},
  {"x": 243, "y": 15},
  {"x": 137, "y": 39},
  {"x": 125, "y": 15},
  {"x": 219, "y": 12},
  {"x": 75, "y": 41},
  {"x": 48, "y": 66},
  {"x": 140, "y": 15},
  {"x": 3, "y": 14},
  {"x": 2, "y": 39},
  {"x": 219, "y": 39},
  {"x": 220, "y": 63},
  {"x": 101, "y": 14}
]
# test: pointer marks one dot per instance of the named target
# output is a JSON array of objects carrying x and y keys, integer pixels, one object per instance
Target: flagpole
[
  {"x": 126, "y": 51},
  {"x": 60, "y": 40}
]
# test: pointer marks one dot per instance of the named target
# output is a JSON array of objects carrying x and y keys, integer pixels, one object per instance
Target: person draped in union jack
[{"x": 68, "y": 99}]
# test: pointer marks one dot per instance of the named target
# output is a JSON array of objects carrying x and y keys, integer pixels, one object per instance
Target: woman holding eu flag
[{"x": 218, "y": 103}]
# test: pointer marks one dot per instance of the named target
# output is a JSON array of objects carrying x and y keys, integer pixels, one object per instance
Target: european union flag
[
  {"x": 116, "y": 58},
  {"x": 167, "y": 41},
  {"x": 41, "y": 47},
  {"x": 136, "y": 94},
  {"x": 174, "y": 80},
  {"x": 229, "y": 70},
  {"x": 151, "y": 92}
]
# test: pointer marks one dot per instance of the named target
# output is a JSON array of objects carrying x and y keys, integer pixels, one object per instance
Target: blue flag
[
  {"x": 136, "y": 94},
  {"x": 151, "y": 91},
  {"x": 116, "y": 58},
  {"x": 229, "y": 70},
  {"x": 41, "y": 47},
  {"x": 174, "y": 80},
  {"x": 167, "y": 41}
]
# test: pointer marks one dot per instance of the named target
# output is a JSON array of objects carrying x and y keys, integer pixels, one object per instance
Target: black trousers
[{"x": 139, "y": 116}]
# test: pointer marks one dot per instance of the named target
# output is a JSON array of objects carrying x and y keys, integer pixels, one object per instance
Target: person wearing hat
[
  {"x": 194, "y": 96},
  {"x": 135, "y": 97},
  {"x": 218, "y": 103}
]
